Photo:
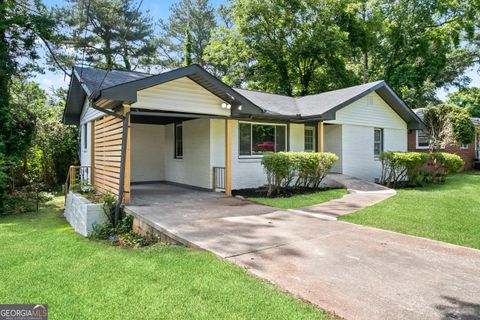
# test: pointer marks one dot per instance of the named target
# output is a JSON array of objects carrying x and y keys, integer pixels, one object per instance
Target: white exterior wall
[
  {"x": 297, "y": 137},
  {"x": 181, "y": 95},
  {"x": 358, "y": 122},
  {"x": 147, "y": 152},
  {"x": 247, "y": 172},
  {"x": 194, "y": 168},
  {"x": 333, "y": 143}
]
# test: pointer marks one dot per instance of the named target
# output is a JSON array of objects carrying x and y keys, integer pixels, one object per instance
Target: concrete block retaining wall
[{"x": 83, "y": 214}]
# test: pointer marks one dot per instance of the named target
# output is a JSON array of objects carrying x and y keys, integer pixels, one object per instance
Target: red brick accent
[{"x": 468, "y": 155}]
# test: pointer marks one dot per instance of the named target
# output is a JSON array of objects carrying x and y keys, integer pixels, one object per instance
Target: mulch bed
[{"x": 284, "y": 193}]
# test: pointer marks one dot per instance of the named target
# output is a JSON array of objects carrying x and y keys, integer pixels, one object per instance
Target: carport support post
[
  {"x": 320, "y": 136},
  {"x": 228, "y": 157},
  {"x": 126, "y": 181}
]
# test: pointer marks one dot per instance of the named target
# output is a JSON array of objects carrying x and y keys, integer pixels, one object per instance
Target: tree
[
  {"x": 21, "y": 27},
  {"x": 448, "y": 124},
  {"x": 106, "y": 34},
  {"x": 286, "y": 47},
  {"x": 468, "y": 98},
  {"x": 416, "y": 46},
  {"x": 303, "y": 47},
  {"x": 194, "y": 17}
]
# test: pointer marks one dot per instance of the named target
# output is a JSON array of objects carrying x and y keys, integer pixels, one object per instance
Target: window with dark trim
[
  {"x": 377, "y": 142},
  {"x": 85, "y": 145},
  {"x": 259, "y": 138},
  {"x": 310, "y": 139},
  {"x": 178, "y": 140}
]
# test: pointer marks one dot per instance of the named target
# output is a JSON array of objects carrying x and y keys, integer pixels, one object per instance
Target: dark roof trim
[
  {"x": 127, "y": 92},
  {"x": 75, "y": 99}
]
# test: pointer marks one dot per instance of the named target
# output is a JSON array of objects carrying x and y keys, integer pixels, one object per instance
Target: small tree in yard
[{"x": 448, "y": 124}]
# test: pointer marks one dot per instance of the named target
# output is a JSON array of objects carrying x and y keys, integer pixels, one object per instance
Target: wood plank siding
[{"x": 107, "y": 156}]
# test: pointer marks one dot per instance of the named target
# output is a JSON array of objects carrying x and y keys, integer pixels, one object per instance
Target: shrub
[
  {"x": 446, "y": 162},
  {"x": 408, "y": 167},
  {"x": 400, "y": 167},
  {"x": 109, "y": 205},
  {"x": 308, "y": 168}
]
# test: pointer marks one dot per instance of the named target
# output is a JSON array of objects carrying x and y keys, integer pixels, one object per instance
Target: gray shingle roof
[
  {"x": 116, "y": 87},
  {"x": 92, "y": 78},
  {"x": 311, "y": 105}
]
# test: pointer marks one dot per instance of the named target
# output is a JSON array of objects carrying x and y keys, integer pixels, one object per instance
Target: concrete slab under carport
[{"x": 354, "y": 271}]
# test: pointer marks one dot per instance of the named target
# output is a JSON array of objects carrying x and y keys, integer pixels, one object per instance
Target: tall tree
[
  {"x": 22, "y": 25},
  {"x": 417, "y": 46},
  {"x": 196, "y": 16},
  {"x": 107, "y": 34},
  {"x": 187, "y": 49},
  {"x": 287, "y": 47},
  {"x": 468, "y": 98}
]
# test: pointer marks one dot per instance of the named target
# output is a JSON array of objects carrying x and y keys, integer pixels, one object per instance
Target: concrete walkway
[
  {"x": 361, "y": 194},
  {"x": 354, "y": 271}
]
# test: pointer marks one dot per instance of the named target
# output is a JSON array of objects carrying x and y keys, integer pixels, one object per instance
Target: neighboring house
[
  {"x": 188, "y": 127},
  {"x": 418, "y": 140}
]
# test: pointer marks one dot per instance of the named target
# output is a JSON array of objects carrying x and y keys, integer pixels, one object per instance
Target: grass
[
  {"x": 43, "y": 261},
  {"x": 301, "y": 200},
  {"x": 448, "y": 212}
]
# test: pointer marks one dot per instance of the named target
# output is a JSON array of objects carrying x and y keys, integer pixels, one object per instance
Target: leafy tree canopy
[
  {"x": 468, "y": 98},
  {"x": 302, "y": 47}
]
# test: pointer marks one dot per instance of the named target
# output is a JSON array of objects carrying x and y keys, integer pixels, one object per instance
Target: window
[
  {"x": 377, "y": 142},
  {"x": 310, "y": 139},
  {"x": 85, "y": 136},
  {"x": 258, "y": 139},
  {"x": 464, "y": 146},
  {"x": 423, "y": 139},
  {"x": 178, "y": 140}
]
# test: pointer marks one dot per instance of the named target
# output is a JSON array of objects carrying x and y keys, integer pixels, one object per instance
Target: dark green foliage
[
  {"x": 187, "y": 49},
  {"x": 307, "y": 169},
  {"x": 304, "y": 47}
]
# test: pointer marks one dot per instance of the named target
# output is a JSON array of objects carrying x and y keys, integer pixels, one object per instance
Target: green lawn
[
  {"x": 43, "y": 261},
  {"x": 448, "y": 212},
  {"x": 301, "y": 200}
]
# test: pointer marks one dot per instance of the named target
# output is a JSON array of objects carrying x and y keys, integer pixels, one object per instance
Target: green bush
[
  {"x": 398, "y": 167},
  {"x": 408, "y": 167},
  {"x": 307, "y": 168},
  {"x": 444, "y": 163}
]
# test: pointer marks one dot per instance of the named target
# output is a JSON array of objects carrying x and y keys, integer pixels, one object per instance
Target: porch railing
[
  {"x": 78, "y": 176},
  {"x": 218, "y": 179}
]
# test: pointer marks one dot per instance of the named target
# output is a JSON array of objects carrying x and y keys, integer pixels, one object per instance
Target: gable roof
[{"x": 110, "y": 89}]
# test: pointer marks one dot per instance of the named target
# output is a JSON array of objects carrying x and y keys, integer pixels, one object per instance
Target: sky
[{"x": 159, "y": 9}]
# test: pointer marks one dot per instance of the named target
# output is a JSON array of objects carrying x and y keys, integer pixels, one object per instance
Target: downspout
[{"x": 123, "y": 156}]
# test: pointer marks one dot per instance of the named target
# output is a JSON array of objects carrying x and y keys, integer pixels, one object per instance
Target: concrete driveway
[{"x": 353, "y": 271}]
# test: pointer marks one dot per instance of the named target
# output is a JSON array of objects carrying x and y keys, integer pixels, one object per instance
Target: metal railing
[
  {"x": 78, "y": 176},
  {"x": 218, "y": 179}
]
